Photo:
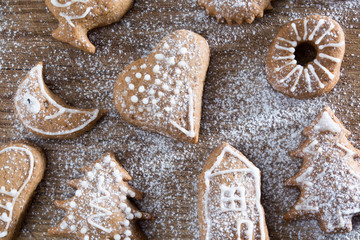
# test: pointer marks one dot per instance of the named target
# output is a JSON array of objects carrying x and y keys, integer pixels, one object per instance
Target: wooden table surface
[{"x": 239, "y": 107}]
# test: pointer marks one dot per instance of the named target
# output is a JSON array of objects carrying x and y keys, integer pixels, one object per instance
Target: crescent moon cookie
[
  {"x": 21, "y": 170},
  {"x": 163, "y": 92},
  {"x": 236, "y": 11},
  {"x": 47, "y": 115},
  {"x": 101, "y": 208},
  {"x": 305, "y": 57},
  {"x": 77, "y": 17},
  {"x": 229, "y": 204}
]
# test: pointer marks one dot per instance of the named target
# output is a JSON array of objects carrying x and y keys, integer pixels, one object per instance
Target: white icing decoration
[
  {"x": 293, "y": 88},
  {"x": 326, "y": 33},
  {"x": 228, "y": 198},
  {"x": 291, "y": 49},
  {"x": 183, "y": 50},
  {"x": 305, "y": 29},
  {"x": 157, "y": 81},
  {"x": 296, "y": 32},
  {"x": 13, "y": 194},
  {"x": 131, "y": 86},
  {"x": 312, "y": 70},
  {"x": 156, "y": 68},
  {"x": 67, "y": 4},
  {"x": 332, "y": 45},
  {"x": 191, "y": 132},
  {"x": 292, "y": 43},
  {"x": 104, "y": 211},
  {"x": 127, "y": 79},
  {"x": 182, "y": 64},
  {"x": 319, "y": 24},
  {"x": 249, "y": 231},
  {"x": 334, "y": 59},
  {"x": 37, "y": 72},
  {"x": 147, "y": 77},
  {"x": 326, "y": 123},
  {"x": 298, "y": 67},
  {"x": 292, "y": 56},
  {"x": 331, "y": 76},
  {"x": 251, "y": 169},
  {"x": 83, "y": 230},
  {"x": 293, "y": 62},
  {"x": 141, "y": 89},
  {"x": 159, "y": 56},
  {"x": 170, "y": 61},
  {"x": 70, "y": 18},
  {"x": 308, "y": 79},
  {"x": 117, "y": 237},
  {"x": 138, "y": 75},
  {"x": 143, "y": 66},
  {"x": 304, "y": 175},
  {"x": 134, "y": 99},
  {"x": 32, "y": 103}
]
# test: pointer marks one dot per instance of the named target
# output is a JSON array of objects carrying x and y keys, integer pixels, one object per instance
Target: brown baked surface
[{"x": 239, "y": 107}]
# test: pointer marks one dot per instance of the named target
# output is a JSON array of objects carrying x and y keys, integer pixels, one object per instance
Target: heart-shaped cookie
[
  {"x": 21, "y": 169},
  {"x": 163, "y": 92}
]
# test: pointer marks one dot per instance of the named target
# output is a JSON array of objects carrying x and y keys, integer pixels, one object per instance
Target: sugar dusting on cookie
[{"x": 239, "y": 106}]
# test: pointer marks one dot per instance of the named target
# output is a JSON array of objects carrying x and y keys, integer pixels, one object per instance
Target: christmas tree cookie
[
  {"x": 329, "y": 178},
  {"x": 100, "y": 208}
]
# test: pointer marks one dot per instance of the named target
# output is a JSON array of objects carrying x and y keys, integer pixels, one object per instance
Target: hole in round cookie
[{"x": 305, "y": 52}]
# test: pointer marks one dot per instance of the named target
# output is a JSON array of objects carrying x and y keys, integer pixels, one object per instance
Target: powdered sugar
[{"x": 239, "y": 107}]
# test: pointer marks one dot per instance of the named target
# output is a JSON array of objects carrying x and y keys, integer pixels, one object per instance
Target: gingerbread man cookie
[
  {"x": 305, "y": 57},
  {"x": 47, "y": 115},
  {"x": 21, "y": 170},
  {"x": 236, "y": 11},
  {"x": 163, "y": 92},
  {"x": 329, "y": 178},
  {"x": 100, "y": 208},
  {"x": 229, "y": 197},
  {"x": 77, "y": 17}
]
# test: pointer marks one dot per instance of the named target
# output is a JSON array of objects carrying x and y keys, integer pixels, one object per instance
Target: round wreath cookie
[
  {"x": 236, "y": 11},
  {"x": 305, "y": 57}
]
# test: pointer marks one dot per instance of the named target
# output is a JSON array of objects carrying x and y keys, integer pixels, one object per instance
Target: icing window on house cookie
[{"x": 232, "y": 198}]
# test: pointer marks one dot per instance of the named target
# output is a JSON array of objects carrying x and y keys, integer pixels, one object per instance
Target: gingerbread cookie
[
  {"x": 77, "y": 17},
  {"x": 236, "y": 11},
  {"x": 163, "y": 92},
  {"x": 47, "y": 115},
  {"x": 229, "y": 197},
  {"x": 100, "y": 208},
  {"x": 329, "y": 178},
  {"x": 22, "y": 168},
  {"x": 305, "y": 57}
]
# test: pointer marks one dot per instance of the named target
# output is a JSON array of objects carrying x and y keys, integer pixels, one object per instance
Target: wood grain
[{"x": 239, "y": 107}]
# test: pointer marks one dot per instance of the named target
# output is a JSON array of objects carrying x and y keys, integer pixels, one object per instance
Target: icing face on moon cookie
[
  {"x": 163, "y": 92},
  {"x": 21, "y": 169},
  {"x": 235, "y": 11},
  {"x": 101, "y": 208},
  {"x": 229, "y": 197},
  {"x": 77, "y": 17},
  {"x": 305, "y": 57},
  {"x": 45, "y": 114}
]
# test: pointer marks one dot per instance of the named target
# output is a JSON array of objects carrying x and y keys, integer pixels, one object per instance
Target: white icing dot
[
  {"x": 157, "y": 81},
  {"x": 73, "y": 228},
  {"x": 153, "y": 101},
  {"x": 123, "y": 189},
  {"x": 177, "y": 71},
  {"x": 63, "y": 225},
  {"x": 166, "y": 46},
  {"x": 78, "y": 193},
  {"x": 128, "y": 233},
  {"x": 131, "y": 193},
  {"x": 152, "y": 92},
  {"x": 86, "y": 237},
  {"x": 141, "y": 89},
  {"x": 156, "y": 69},
  {"x": 134, "y": 99},
  {"x": 140, "y": 109},
  {"x": 128, "y": 210},
  {"x": 170, "y": 61},
  {"x": 117, "y": 237},
  {"x": 9, "y": 205},
  {"x": 123, "y": 198},
  {"x": 132, "y": 108},
  {"x": 126, "y": 223},
  {"x": 138, "y": 75},
  {"x": 183, "y": 50},
  {"x": 116, "y": 173},
  {"x": 130, "y": 216},
  {"x": 160, "y": 93},
  {"x": 98, "y": 166},
  {"x": 172, "y": 101},
  {"x": 143, "y": 66},
  {"x": 127, "y": 79},
  {"x": 112, "y": 164},
  {"x": 168, "y": 109},
  {"x": 123, "y": 206},
  {"x": 107, "y": 159},
  {"x": 159, "y": 56},
  {"x": 138, "y": 215},
  {"x": 182, "y": 64},
  {"x": 145, "y": 101},
  {"x": 176, "y": 91},
  {"x": 90, "y": 174},
  {"x": 131, "y": 86},
  {"x": 72, "y": 204},
  {"x": 134, "y": 67},
  {"x": 165, "y": 87},
  {"x": 83, "y": 230},
  {"x": 84, "y": 184},
  {"x": 127, "y": 238},
  {"x": 147, "y": 77}
]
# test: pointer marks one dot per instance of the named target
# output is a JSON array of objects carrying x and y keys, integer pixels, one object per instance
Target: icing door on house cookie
[{"x": 231, "y": 199}]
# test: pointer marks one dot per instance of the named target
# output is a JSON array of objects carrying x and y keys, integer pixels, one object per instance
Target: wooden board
[{"x": 239, "y": 107}]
